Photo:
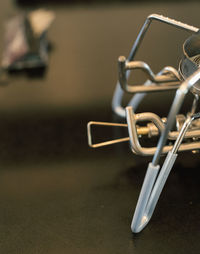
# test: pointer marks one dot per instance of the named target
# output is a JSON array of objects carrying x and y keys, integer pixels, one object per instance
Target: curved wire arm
[
  {"x": 153, "y": 184},
  {"x": 159, "y": 82},
  {"x": 118, "y": 94}
]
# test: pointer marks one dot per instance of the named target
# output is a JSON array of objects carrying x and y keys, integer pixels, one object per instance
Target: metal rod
[{"x": 177, "y": 103}]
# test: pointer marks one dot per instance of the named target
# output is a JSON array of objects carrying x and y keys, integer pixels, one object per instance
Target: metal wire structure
[{"x": 187, "y": 135}]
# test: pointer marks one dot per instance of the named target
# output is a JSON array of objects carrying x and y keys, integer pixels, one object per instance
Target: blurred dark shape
[{"x": 26, "y": 43}]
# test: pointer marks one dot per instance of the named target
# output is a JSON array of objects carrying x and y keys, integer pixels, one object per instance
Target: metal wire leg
[{"x": 153, "y": 187}]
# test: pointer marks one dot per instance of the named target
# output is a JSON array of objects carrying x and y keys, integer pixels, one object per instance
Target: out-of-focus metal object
[
  {"x": 185, "y": 136},
  {"x": 26, "y": 43}
]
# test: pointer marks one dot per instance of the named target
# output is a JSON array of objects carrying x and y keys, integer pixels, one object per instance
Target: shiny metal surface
[{"x": 190, "y": 62}]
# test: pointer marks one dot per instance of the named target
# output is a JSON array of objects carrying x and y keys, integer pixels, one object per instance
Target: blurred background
[{"x": 56, "y": 194}]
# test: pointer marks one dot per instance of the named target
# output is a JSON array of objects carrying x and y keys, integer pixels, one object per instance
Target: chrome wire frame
[
  {"x": 155, "y": 177},
  {"x": 166, "y": 79},
  {"x": 135, "y": 132}
]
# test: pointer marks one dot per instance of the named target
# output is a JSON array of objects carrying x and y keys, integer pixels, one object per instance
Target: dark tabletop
[{"x": 56, "y": 194}]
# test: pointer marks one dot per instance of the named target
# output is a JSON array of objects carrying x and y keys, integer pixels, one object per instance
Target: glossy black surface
[{"x": 56, "y": 194}]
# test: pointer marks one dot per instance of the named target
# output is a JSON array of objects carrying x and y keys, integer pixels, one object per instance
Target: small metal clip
[{"x": 105, "y": 143}]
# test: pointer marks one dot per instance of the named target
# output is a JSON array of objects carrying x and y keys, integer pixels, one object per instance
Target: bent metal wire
[{"x": 187, "y": 133}]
